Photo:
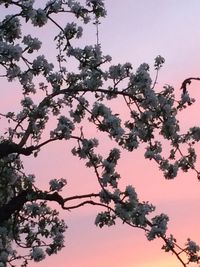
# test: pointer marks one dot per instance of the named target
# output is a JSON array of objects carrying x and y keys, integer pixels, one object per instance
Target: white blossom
[
  {"x": 195, "y": 133},
  {"x": 64, "y": 128},
  {"x": 37, "y": 254},
  {"x": 192, "y": 247},
  {"x": 11, "y": 29},
  {"x": 13, "y": 72},
  {"x": 40, "y": 64},
  {"x": 159, "y": 60},
  {"x": 57, "y": 185},
  {"x": 54, "y": 6},
  {"x": 32, "y": 43},
  {"x": 159, "y": 226},
  {"x": 39, "y": 17},
  {"x": 71, "y": 30},
  {"x": 130, "y": 191},
  {"x": 9, "y": 52}
]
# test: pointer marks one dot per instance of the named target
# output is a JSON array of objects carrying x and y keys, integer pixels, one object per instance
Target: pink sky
[{"x": 134, "y": 31}]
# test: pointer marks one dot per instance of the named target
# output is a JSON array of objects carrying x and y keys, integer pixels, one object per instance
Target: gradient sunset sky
[{"x": 134, "y": 31}]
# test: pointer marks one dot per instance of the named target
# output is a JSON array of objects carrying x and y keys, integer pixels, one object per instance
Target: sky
[{"x": 134, "y": 31}]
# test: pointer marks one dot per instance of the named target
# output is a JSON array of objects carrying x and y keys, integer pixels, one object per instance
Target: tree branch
[
  {"x": 90, "y": 202},
  {"x": 7, "y": 148},
  {"x": 187, "y": 82},
  {"x": 17, "y": 202}
]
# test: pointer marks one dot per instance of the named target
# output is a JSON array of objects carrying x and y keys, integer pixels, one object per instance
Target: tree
[{"x": 54, "y": 94}]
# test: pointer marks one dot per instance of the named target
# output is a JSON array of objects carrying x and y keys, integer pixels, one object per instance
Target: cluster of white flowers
[
  {"x": 159, "y": 226},
  {"x": 192, "y": 249},
  {"x": 27, "y": 102},
  {"x": 98, "y": 7},
  {"x": 105, "y": 218},
  {"x": 130, "y": 192},
  {"x": 79, "y": 113},
  {"x": 79, "y": 11},
  {"x": 32, "y": 43},
  {"x": 185, "y": 100},
  {"x": 6, "y": 250},
  {"x": 118, "y": 72},
  {"x": 131, "y": 210},
  {"x": 54, "y": 6},
  {"x": 86, "y": 148},
  {"x": 153, "y": 151},
  {"x": 55, "y": 79},
  {"x": 72, "y": 31},
  {"x": 105, "y": 196},
  {"x": 110, "y": 123},
  {"x": 90, "y": 56},
  {"x": 57, "y": 184},
  {"x": 33, "y": 208},
  {"x": 45, "y": 222},
  {"x": 109, "y": 175},
  {"x": 170, "y": 170},
  {"x": 10, "y": 29},
  {"x": 92, "y": 79},
  {"x": 141, "y": 81},
  {"x": 27, "y": 3},
  {"x": 159, "y": 61},
  {"x": 37, "y": 254},
  {"x": 12, "y": 72},
  {"x": 25, "y": 79},
  {"x": 39, "y": 17},
  {"x": 40, "y": 64},
  {"x": 63, "y": 129},
  {"x": 194, "y": 133},
  {"x": 192, "y": 246},
  {"x": 9, "y": 52}
]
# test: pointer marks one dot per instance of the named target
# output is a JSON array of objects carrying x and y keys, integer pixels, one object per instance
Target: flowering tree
[{"x": 72, "y": 99}]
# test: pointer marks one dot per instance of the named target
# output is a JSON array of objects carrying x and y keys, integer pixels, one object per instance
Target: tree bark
[
  {"x": 16, "y": 203},
  {"x": 7, "y": 148}
]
